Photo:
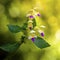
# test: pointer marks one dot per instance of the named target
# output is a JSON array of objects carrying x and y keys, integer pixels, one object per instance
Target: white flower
[
  {"x": 32, "y": 31},
  {"x": 35, "y": 36},
  {"x": 40, "y": 31},
  {"x": 30, "y": 21},
  {"x": 32, "y": 37},
  {"x": 43, "y": 26},
  {"x": 28, "y": 15},
  {"x": 29, "y": 37}
]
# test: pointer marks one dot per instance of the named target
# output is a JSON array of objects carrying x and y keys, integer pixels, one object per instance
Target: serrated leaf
[
  {"x": 41, "y": 43},
  {"x": 14, "y": 28},
  {"x": 11, "y": 47}
]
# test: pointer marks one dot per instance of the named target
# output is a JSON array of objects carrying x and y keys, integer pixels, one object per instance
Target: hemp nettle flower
[
  {"x": 42, "y": 26},
  {"x": 33, "y": 13},
  {"x": 32, "y": 31},
  {"x": 38, "y": 14},
  {"x": 31, "y": 16},
  {"x": 32, "y": 38},
  {"x": 30, "y": 26},
  {"x": 41, "y": 33},
  {"x": 30, "y": 21}
]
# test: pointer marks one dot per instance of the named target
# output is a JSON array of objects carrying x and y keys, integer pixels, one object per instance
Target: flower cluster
[
  {"x": 30, "y": 30},
  {"x": 32, "y": 33}
]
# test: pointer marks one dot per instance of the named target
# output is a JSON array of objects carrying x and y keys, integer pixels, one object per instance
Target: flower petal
[
  {"x": 33, "y": 39},
  {"x": 31, "y": 16},
  {"x": 42, "y": 34},
  {"x": 38, "y": 14}
]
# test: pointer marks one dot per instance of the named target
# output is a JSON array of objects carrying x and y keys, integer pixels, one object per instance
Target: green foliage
[
  {"x": 9, "y": 50},
  {"x": 41, "y": 43},
  {"x": 10, "y": 47},
  {"x": 34, "y": 23},
  {"x": 24, "y": 26},
  {"x": 14, "y": 28}
]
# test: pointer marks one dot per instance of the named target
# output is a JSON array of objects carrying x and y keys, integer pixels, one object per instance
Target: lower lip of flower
[
  {"x": 38, "y": 14},
  {"x": 33, "y": 39},
  {"x": 31, "y": 16},
  {"x": 42, "y": 34}
]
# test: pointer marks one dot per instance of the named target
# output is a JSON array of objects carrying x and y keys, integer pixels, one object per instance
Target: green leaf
[
  {"x": 34, "y": 23},
  {"x": 11, "y": 47},
  {"x": 14, "y": 28},
  {"x": 41, "y": 43},
  {"x": 24, "y": 26}
]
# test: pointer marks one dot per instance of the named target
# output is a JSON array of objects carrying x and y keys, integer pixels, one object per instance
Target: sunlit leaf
[
  {"x": 14, "y": 28},
  {"x": 41, "y": 43}
]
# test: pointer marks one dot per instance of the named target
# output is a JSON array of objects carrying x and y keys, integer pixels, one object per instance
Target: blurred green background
[{"x": 14, "y": 12}]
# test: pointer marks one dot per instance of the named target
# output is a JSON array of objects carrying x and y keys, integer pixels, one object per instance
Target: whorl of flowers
[{"x": 32, "y": 33}]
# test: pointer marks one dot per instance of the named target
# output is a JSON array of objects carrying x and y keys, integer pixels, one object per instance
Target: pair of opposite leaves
[{"x": 11, "y": 47}]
